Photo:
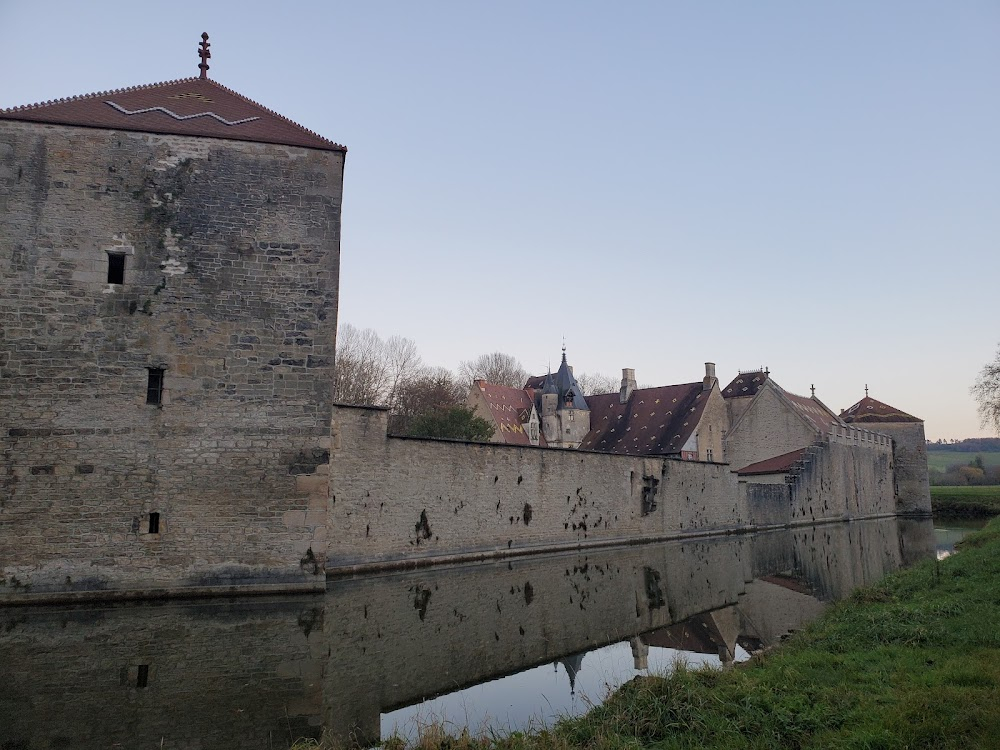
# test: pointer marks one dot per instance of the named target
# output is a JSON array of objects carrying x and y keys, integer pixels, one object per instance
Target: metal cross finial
[
  {"x": 866, "y": 390},
  {"x": 204, "y": 54},
  {"x": 813, "y": 389}
]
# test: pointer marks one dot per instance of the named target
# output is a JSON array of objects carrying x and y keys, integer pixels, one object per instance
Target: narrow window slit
[
  {"x": 116, "y": 268},
  {"x": 154, "y": 523},
  {"x": 142, "y": 676},
  {"x": 154, "y": 386}
]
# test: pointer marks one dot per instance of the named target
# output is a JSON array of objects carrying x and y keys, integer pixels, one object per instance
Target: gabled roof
[
  {"x": 654, "y": 422},
  {"x": 189, "y": 106},
  {"x": 510, "y": 408},
  {"x": 745, "y": 384},
  {"x": 776, "y": 465},
  {"x": 870, "y": 410},
  {"x": 814, "y": 410}
]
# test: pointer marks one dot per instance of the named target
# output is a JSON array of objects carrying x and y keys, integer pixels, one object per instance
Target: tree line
[
  {"x": 425, "y": 400},
  {"x": 968, "y": 445},
  {"x": 974, "y": 473}
]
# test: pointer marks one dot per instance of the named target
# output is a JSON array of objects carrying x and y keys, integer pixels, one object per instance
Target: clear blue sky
[{"x": 814, "y": 187}]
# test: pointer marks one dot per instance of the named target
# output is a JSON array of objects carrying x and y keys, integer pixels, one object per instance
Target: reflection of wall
[
  {"x": 400, "y": 638},
  {"x": 224, "y": 675},
  {"x": 218, "y": 676}
]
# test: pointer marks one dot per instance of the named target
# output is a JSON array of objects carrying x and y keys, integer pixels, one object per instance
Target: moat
[{"x": 498, "y": 645}]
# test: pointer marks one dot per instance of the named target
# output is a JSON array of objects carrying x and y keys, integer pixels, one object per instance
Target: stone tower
[
  {"x": 171, "y": 259},
  {"x": 909, "y": 450},
  {"x": 563, "y": 409}
]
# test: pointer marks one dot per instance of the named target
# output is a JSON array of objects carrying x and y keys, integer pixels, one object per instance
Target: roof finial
[
  {"x": 204, "y": 54},
  {"x": 813, "y": 389},
  {"x": 866, "y": 390}
]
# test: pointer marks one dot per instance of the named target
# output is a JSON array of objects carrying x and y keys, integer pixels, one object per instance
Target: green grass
[
  {"x": 913, "y": 662},
  {"x": 941, "y": 460},
  {"x": 965, "y": 501}
]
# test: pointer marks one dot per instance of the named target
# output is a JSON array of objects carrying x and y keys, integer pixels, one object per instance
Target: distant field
[
  {"x": 941, "y": 460},
  {"x": 966, "y": 501}
]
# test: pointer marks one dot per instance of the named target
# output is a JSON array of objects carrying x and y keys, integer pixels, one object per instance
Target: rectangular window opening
[
  {"x": 116, "y": 268},
  {"x": 142, "y": 676},
  {"x": 154, "y": 523},
  {"x": 154, "y": 386}
]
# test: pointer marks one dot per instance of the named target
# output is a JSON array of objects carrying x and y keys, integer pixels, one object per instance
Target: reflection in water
[
  {"x": 949, "y": 532},
  {"x": 499, "y": 644}
]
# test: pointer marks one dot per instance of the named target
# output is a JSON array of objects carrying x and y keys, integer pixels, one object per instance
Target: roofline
[{"x": 128, "y": 89}]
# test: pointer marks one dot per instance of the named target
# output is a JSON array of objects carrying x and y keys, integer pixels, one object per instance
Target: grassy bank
[
  {"x": 913, "y": 662},
  {"x": 966, "y": 501}
]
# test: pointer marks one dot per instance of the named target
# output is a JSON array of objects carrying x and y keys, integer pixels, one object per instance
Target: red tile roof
[
  {"x": 870, "y": 410},
  {"x": 510, "y": 409},
  {"x": 654, "y": 422},
  {"x": 745, "y": 384},
  {"x": 190, "y": 106},
  {"x": 776, "y": 465}
]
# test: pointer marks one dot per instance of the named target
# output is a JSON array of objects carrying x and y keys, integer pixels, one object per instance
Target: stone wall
[
  {"x": 231, "y": 253},
  {"x": 770, "y": 428},
  {"x": 847, "y": 475},
  {"x": 402, "y": 499},
  {"x": 713, "y": 428},
  {"x": 909, "y": 455}
]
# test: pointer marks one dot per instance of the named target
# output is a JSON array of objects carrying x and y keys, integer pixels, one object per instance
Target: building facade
[{"x": 169, "y": 315}]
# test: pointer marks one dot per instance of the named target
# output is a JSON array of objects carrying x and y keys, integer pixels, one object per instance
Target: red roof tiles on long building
[
  {"x": 776, "y": 465},
  {"x": 190, "y": 106},
  {"x": 510, "y": 409}
]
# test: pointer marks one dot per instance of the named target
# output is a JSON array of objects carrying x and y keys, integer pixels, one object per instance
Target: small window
[
  {"x": 154, "y": 386},
  {"x": 116, "y": 268},
  {"x": 142, "y": 676},
  {"x": 154, "y": 523}
]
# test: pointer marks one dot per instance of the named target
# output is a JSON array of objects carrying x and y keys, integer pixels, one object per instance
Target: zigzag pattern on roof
[
  {"x": 144, "y": 87},
  {"x": 176, "y": 116}
]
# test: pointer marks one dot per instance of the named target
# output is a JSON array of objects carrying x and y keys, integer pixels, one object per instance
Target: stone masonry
[{"x": 229, "y": 292}]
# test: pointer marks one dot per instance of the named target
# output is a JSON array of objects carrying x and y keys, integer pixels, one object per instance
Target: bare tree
[
  {"x": 402, "y": 363},
  {"x": 987, "y": 394},
  {"x": 497, "y": 368},
  {"x": 370, "y": 370},
  {"x": 593, "y": 383}
]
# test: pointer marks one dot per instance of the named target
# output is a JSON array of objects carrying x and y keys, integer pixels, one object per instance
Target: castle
[
  {"x": 171, "y": 257},
  {"x": 169, "y": 315}
]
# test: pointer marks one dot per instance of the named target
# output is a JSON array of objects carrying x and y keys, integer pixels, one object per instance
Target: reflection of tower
[
  {"x": 640, "y": 653},
  {"x": 572, "y": 664}
]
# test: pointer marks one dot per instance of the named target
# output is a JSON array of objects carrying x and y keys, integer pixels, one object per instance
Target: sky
[{"x": 811, "y": 187}]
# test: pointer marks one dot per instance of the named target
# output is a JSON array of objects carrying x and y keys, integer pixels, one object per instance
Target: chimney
[
  {"x": 710, "y": 380},
  {"x": 480, "y": 383},
  {"x": 628, "y": 385}
]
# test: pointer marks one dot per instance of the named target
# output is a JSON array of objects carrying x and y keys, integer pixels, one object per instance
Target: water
[
  {"x": 494, "y": 646},
  {"x": 949, "y": 532}
]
